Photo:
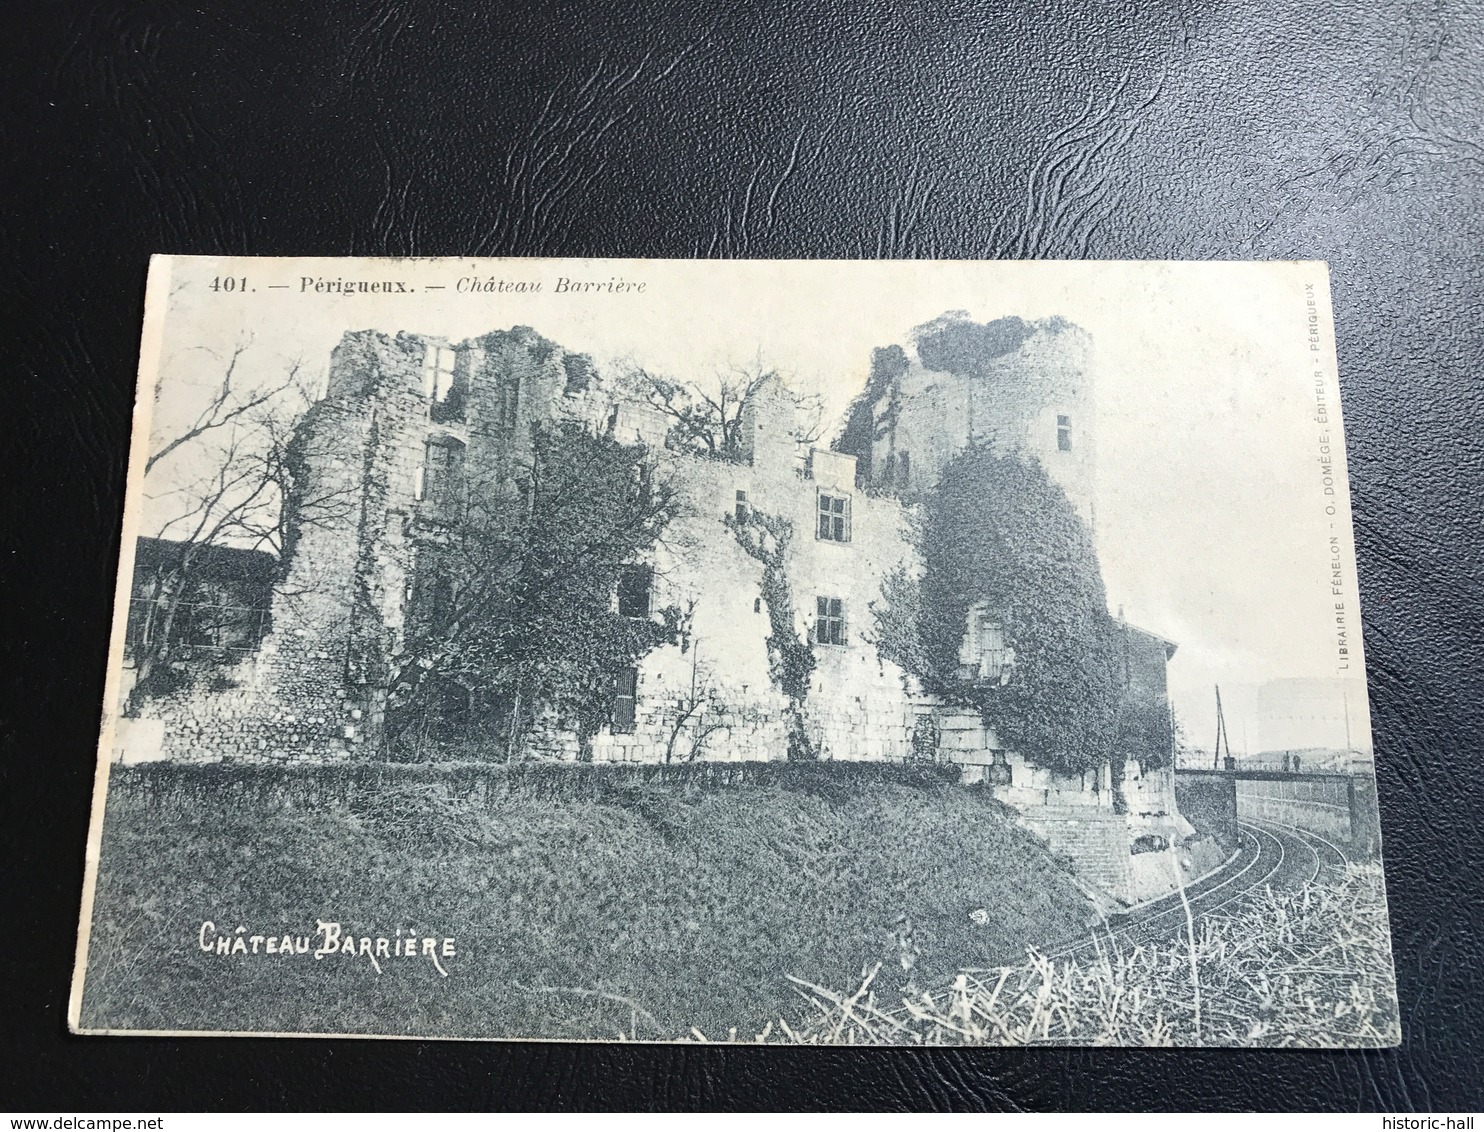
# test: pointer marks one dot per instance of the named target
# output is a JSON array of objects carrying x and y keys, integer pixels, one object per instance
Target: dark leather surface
[{"x": 1256, "y": 128}]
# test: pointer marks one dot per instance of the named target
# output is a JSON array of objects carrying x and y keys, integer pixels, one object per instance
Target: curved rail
[
  {"x": 1325, "y": 847},
  {"x": 1272, "y": 854}
]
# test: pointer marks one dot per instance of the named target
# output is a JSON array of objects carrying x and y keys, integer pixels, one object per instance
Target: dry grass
[{"x": 1304, "y": 969}]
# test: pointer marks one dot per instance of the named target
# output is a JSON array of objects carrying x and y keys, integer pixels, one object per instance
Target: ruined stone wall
[
  {"x": 316, "y": 689},
  {"x": 1034, "y": 786},
  {"x": 858, "y": 705},
  {"x": 1011, "y": 400},
  {"x": 1149, "y": 798},
  {"x": 292, "y": 699},
  {"x": 358, "y": 533}
]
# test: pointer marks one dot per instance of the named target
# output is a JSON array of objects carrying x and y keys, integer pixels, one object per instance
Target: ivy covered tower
[{"x": 1015, "y": 386}]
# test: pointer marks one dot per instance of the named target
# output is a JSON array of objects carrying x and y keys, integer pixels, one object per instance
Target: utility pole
[
  {"x": 1221, "y": 736},
  {"x": 1345, "y": 700}
]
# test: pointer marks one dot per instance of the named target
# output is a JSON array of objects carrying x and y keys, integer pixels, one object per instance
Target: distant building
[
  {"x": 1317, "y": 714},
  {"x": 217, "y": 604}
]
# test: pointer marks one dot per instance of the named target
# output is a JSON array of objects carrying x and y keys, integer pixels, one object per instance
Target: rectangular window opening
[
  {"x": 834, "y": 518},
  {"x": 1063, "y": 433},
  {"x": 508, "y": 409},
  {"x": 829, "y": 621},
  {"x": 741, "y": 507},
  {"x": 439, "y": 483},
  {"x": 438, "y": 372},
  {"x": 995, "y": 654},
  {"x": 635, "y": 584},
  {"x": 642, "y": 483}
]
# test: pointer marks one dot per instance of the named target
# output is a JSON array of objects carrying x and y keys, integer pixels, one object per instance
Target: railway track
[{"x": 1271, "y": 854}]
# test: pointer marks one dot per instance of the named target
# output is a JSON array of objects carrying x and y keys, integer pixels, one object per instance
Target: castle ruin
[{"x": 414, "y": 430}]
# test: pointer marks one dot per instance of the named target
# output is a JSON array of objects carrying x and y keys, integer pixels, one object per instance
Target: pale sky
[{"x": 1212, "y": 522}]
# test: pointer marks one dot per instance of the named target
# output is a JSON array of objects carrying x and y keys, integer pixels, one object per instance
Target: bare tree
[
  {"x": 228, "y": 404},
  {"x": 697, "y": 708},
  {"x": 707, "y": 420},
  {"x": 217, "y": 484}
]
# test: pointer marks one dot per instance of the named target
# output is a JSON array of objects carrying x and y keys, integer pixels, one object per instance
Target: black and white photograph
[{"x": 795, "y": 652}]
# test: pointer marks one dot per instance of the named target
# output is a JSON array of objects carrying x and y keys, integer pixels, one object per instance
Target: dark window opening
[
  {"x": 448, "y": 704},
  {"x": 441, "y": 480},
  {"x": 834, "y": 518},
  {"x": 904, "y": 470},
  {"x": 431, "y": 594},
  {"x": 829, "y": 623},
  {"x": 440, "y": 599},
  {"x": 634, "y": 586},
  {"x": 642, "y": 484},
  {"x": 580, "y": 372},
  {"x": 741, "y": 507},
  {"x": 1063, "y": 433},
  {"x": 625, "y": 696},
  {"x": 507, "y": 409}
]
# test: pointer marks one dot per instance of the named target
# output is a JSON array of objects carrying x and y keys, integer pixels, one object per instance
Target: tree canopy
[{"x": 521, "y": 597}]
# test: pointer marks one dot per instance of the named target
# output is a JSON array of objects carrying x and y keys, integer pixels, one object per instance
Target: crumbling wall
[
  {"x": 317, "y": 687},
  {"x": 302, "y": 697},
  {"x": 856, "y": 705},
  {"x": 1007, "y": 384}
]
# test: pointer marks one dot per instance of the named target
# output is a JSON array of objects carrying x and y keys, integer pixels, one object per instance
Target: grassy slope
[{"x": 691, "y": 903}]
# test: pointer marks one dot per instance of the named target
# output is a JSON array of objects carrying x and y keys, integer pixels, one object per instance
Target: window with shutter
[
  {"x": 625, "y": 698},
  {"x": 995, "y": 656}
]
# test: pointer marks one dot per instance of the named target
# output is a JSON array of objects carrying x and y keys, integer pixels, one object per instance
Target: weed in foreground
[{"x": 1310, "y": 968}]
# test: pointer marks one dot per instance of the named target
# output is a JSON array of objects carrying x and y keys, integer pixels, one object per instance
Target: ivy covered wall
[{"x": 1000, "y": 537}]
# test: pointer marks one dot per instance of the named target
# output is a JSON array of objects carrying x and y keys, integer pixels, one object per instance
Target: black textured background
[{"x": 1343, "y": 131}]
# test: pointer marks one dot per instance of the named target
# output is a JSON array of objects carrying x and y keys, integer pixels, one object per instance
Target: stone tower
[
  {"x": 1023, "y": 387},
  {"x": 415, "y": 436}
]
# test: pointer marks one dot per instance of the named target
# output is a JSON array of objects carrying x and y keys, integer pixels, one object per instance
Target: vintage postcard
[{"x": 795, "y": 652}]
